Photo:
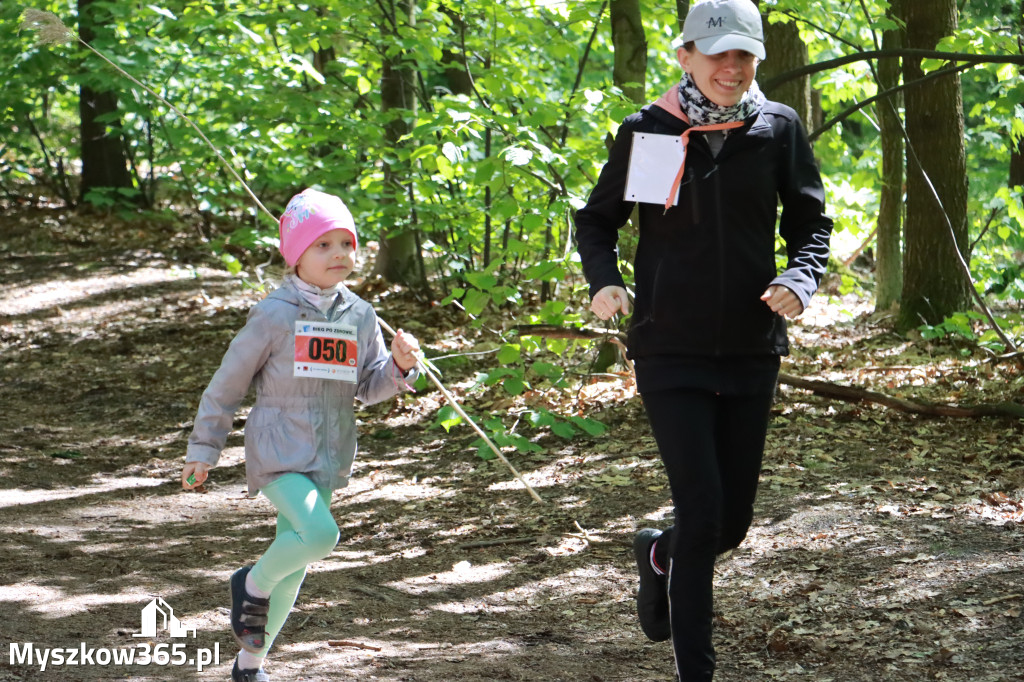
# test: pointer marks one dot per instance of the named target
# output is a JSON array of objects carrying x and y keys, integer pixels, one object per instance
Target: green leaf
[
  {"x": 487, "y": 170},
  {"x": 481, "y": 280},
  {"x": 475, "y": 301},
  {"x": 592, "y": 427},
  {"x": 545, "y": 271},
  {"x": 425, "y": 150},
  {"x": 508, "y": 354},
  {"x": 533, "y": 221},
  {"x": 444, "y": 167},
  {"x": 540, "y": 418},
  {"x": 513, "y": 386},
  {"x": 497, "y": 374},
  {"x": 231, "y": 263},
  {"x": 447, "y": 417},
  {"x": 563, "y": 429},
  {"x": 546, "y": 370},
  {"x": 483, "y": 451},
  {"x": 517, "y": 156}
]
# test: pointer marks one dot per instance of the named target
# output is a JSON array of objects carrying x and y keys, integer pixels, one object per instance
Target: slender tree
[
  {"x": 398, "y": 258},
  {"x": 682, "y": 9},
  {"x": 630, "y": 44},
  {"x": 889, "y": 251},
  {"x": 104, "y": 163},
  {"x": 786, "y": 51},
  {"x": 934, "y": 282},
  {"x": 1017, "y": 147},
  {"x": 454, "y": 61}
]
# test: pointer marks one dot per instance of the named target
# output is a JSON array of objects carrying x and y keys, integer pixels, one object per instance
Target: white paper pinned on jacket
[{"x": 654, "y": 161}]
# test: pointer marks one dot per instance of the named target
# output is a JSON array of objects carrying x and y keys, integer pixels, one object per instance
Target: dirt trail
[{"x": 886, "y": 547}]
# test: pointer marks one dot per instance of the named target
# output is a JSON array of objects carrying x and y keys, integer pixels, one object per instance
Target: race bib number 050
[{"x": 326, "y": 350}]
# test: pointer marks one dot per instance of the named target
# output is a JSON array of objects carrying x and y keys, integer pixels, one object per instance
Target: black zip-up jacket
[{"x": 702, "y": 266}]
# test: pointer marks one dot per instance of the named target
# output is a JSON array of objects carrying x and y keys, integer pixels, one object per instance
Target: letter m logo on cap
[{"x": 716, "y": 23}]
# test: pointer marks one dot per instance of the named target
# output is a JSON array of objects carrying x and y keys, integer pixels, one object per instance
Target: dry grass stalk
[
  {"x": 48, "y": 25},
  {"x": 53, "y": 31}
]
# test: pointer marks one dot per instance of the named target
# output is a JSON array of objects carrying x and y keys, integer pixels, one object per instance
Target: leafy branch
[{"x": 912, "y": 53}]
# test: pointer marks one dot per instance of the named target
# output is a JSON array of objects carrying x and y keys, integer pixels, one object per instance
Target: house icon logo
[{"x": 158, "y": 611}]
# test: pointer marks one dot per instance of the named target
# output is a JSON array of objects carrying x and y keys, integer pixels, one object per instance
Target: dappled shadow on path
[{"x": 874, "y": 556}]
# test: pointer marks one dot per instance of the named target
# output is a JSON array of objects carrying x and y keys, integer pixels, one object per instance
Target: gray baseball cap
[{"x": 720, "y": 25}]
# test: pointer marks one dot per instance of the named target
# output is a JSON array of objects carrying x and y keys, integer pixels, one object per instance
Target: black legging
[{"x": 712, "y": 447}]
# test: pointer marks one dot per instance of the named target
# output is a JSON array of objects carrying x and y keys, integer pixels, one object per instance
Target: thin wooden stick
[
  {"x": 354, "y": 645},
  {"x": 462, "y": 413},
  {"x": 52, "y": 30}
]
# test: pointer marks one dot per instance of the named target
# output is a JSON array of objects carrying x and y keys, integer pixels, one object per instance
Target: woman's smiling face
[{"x": 722, "y": 77}]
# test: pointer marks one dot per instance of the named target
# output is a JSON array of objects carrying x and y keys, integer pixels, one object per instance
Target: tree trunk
[
  {"x": 398, "y": 258},
  {"x": 630, "y": 44},
  {"x": 786, "y": 51},
  {"x": 934, "y": 284},
  {"x": 889, "y": 252},
  {"x": 682, "y": 9},
  {"x": 454, "y": 62},
  {"x": 1017, "y": 160},
  {"x": 104, "y": 164},
  {"x": 1017, "y": 149},
  {"x": 630, "y": 49}
]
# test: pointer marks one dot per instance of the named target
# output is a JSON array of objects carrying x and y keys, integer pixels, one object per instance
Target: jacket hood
[
  {"x": 670, "y": 103},
  {"x": 287, "y": 293}
]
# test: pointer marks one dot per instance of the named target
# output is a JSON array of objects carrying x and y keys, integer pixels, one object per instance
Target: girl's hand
[
  {"x": 405, "y": 350},
  {"x": 782, "y": 301},
  {"x": 608, "y": 301},
  {"x": 201, "y": 471}
]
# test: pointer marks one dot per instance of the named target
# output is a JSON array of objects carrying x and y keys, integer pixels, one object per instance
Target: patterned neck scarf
[
  {"x": 322, "y": 299},
  {"x": 703, "y": 111}
]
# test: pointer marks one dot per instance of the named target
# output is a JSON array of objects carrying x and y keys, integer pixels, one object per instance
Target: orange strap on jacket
[{"x": 686, "y": 143}]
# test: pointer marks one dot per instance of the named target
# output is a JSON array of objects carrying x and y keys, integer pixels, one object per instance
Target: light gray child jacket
[{"x": 297, "y": 424}]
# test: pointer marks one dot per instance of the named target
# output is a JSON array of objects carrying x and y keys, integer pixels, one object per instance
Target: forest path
[{"x": 885, "y": 546}]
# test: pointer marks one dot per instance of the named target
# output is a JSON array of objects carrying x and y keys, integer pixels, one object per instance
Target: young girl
[
  {"x": 310, "y": 348},
  {"x": 709, "y": 321}
]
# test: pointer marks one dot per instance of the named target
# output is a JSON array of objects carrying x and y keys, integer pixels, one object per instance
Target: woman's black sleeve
[
  {"x": 598, "y": 223},
  {"x": 804, "y": 226}
]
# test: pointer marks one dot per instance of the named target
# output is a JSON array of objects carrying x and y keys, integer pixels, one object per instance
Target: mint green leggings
[{"x": 306, "y": 532}]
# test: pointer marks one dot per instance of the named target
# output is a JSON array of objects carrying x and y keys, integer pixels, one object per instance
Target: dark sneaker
[
  {"x": 248, "y": 675},
  {"x": 652, "y": 598},
  {"x": 248, "y": 614}
]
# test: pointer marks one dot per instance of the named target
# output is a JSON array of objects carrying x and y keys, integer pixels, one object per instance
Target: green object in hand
[{"x": 191, "y": 480}]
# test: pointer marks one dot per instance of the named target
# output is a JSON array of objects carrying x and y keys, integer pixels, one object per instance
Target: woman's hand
[
  {"x": 405, "y": 350},
  {"x": 782, "y": 301},
  {"x": 201, "y": 471},
  {"x": 609, "y": 301}
]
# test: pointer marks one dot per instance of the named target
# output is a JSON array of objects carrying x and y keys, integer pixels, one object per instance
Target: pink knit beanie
[{"x": 308, "y": 216}]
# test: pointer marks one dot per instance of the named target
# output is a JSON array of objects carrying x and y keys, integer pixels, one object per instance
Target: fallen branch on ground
[
  {"x": 856, "y": 395},
  {"x": 356, "y": 645},
  {"x": 499, "y": 541},
  {"x": 557, "y": 331},
  {"x": 823, "y": 388}
]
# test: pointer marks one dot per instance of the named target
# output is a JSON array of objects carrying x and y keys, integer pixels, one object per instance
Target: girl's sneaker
[
  {"x": 248, "y": 614},
  {"x": 249, "y": 675}
]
